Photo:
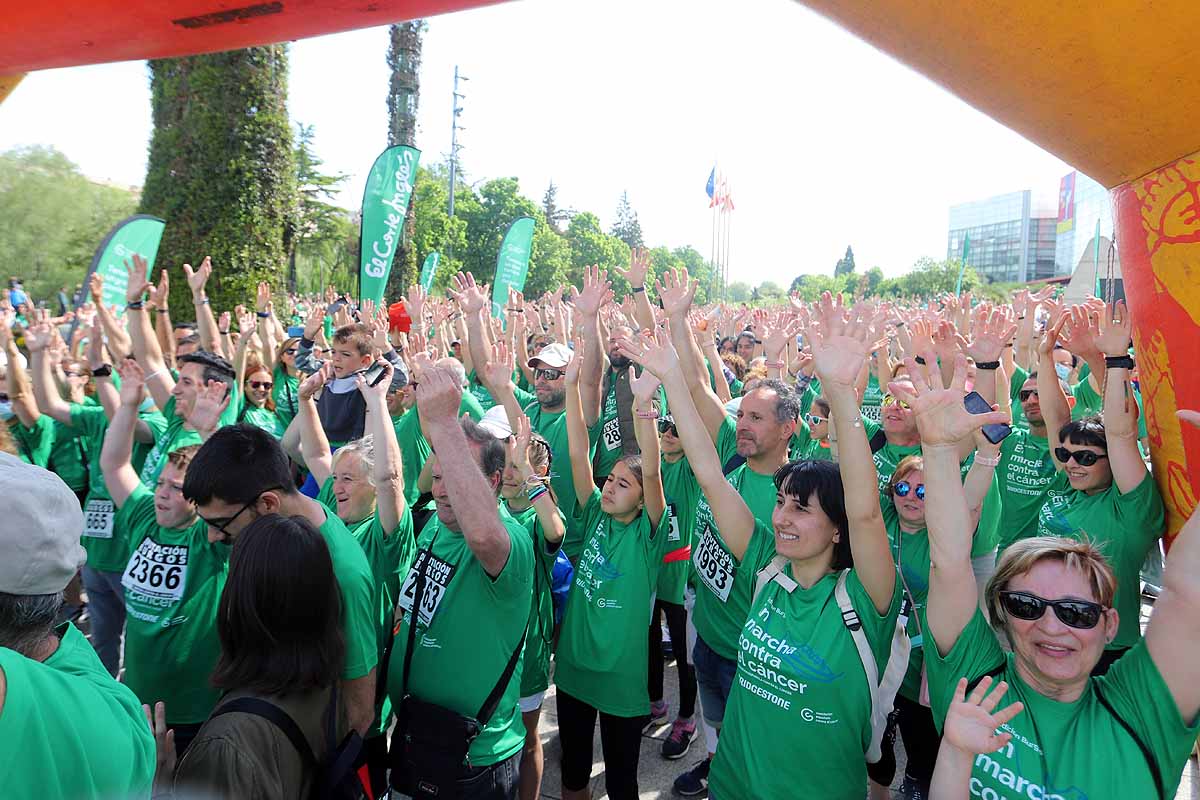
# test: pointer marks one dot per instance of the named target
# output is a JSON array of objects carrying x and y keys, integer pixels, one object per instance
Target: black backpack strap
[
  {"x": 277, "y": 717},
  {"x": 1146, "y": 752},
  {"x": 878, "y": 441},
  {"x": 493, "y": 699}
]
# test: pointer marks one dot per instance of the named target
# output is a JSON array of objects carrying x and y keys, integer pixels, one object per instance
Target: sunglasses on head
[
  {"x": 1084, "y": 458},
  {"x": 902, "y": 489},
  {"x": 889, "y": 400},
  {"x": 813, "y": 419},
  {"x": 260, "y": 384},
  {"x": 1025, "y": 394},
  {"x": 548, "y": 374},
  {"x": 1081, "y": 614}
]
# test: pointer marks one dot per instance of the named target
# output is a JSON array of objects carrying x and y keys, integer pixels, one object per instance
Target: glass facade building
[
  {"x": 1091, "y": 204},
  {"x": 1012, "y": 236}
]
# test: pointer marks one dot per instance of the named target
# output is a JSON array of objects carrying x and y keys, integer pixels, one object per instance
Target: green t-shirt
[
  {"x": 535, "y": 663},
  {"x": 1078, "y": 748},
  {"x": 683, "y": 496},
  {"x": 356, "y": 583},
  {"x": 173, "y": 582},
  {"x": 553, "y": 427},
  {"x": 1123, "y": 526},
  {"x": 414, "y": 451},
  {"x": 1090, "y": 403},
  {"x": 479, "y": 391},
  {"x": 888, "y": 457},
  {"x": 262, "y": 418},
  {"x": 799, "y": 712},
  {"x": 804, "y": 447},
  {"x": 1019, "y": 376},
  {"x": 70, "y": 730},
  {"x": 34, "y": 443},
  {"x": 176, "y": 436},
  {"x": 1025, "y": 474},
  {"x": 723, "y": 586},
  {"x": 285, "y": 391},
  {"x": 603, "y": 651},
  {"x": 69, "y": 457},
  {"x": 872, "y": 400},
  {"x": 467, "y": 628},
  {"x": 608, "y": 445}
]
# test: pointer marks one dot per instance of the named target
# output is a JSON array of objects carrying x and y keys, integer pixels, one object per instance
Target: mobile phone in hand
[
  {"x": 375, "y": 373},
  {"x": 994, "y": 433}
]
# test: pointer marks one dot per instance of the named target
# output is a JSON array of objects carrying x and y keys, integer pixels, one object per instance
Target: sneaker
[
  {"x": 911, "y": 790},
  {"x": 658, "y": 715},
  {"x": 679, "y": 740},
  {"x": 694, "y": 782}
]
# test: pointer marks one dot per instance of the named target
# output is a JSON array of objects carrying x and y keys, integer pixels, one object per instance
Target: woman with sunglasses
[
  {"x": 285, "y": 380},
  {"x": 811, "y": 441},
  {"x": 603, "y": 649},
  {"x": 1103, "y": 491},
  {"x": 258, "y": 408},
  {"x": 1124, "y": 735}
]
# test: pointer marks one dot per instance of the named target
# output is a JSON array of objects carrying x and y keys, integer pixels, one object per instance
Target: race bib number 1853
[{"x": 714, "y": 565}]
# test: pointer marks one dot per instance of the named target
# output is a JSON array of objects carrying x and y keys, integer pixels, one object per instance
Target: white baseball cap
[
  {"x": 554, "y": 355},
  {"x": 39, "y": 540},
  {"x": 495, "y": 422}
]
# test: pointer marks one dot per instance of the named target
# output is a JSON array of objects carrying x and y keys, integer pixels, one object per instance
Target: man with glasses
[{"x": 242, "y": 473}]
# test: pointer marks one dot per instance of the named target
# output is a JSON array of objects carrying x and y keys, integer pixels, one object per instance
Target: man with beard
[{"x": 616, "y": 415}]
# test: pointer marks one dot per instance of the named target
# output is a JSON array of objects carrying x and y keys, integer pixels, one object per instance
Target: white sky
[{"x": 826, "y": 141}]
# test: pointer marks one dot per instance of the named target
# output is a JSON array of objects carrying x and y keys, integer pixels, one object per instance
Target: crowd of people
[{"x": 318, "y": 553}]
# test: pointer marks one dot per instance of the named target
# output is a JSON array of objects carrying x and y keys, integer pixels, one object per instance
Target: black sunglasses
[
  {"x": 1081, "y": 614},
  {"x": 1025, "y": 394},
  {"x": 548, "y": 374},
  {"x": 904, "y": 487},
  {"x": 1084, "y": 458},
  {"x": 261, "y": 384},
  {"x": 665, "y": 425}
]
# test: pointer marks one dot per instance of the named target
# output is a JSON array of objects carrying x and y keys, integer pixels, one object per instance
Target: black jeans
[
  {"x": 620, "y": 739},
  {"x": 921, "y": 740},
  {"x": 677, "y": 625},
  {"x": 497, "y": 781}
]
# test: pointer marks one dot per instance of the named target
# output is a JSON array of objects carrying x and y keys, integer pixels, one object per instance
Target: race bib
[
  {"x": 157, "y": 572},
  {"x": 714, "y": 565},
  {"x": 98, "y": 519},
  {"x": 612, "y": 434},
  {"x": 437, "y": 578},
  {"x": 674, "y": 534}
]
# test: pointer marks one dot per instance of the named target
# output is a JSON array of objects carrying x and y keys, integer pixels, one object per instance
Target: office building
[{"x": 1010, "y": 237}]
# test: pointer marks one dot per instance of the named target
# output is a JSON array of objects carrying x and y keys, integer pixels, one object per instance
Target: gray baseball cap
[{"x": 39, "y": 538}]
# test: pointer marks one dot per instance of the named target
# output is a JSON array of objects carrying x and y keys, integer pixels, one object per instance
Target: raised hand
[
  {"x": 1116, "y": 326},
  {"x": 652, "y": 351},
  {"x": 471, "y": 297},
  {"x": 262, "y": 297},
  {"x": 438, "y": 396},
  {"x": 498, "y": 371},
  {"x": 96, "y": 288},
  {"x": 160, "y": 295},
  {"x": 211, "y": 401},
  {"x": 314, "y": 322},
  {"x": 224, "y": 320},
  {"x": 519, "y": 445},
  {"x": 414, "y": 304},
  {"x": 775, "y": 338},
  {"x": 840, "y": 343},
  {"x": 596, "y": 289},
  {"x": 644, "y": 386},
  {"x": 313, "y": 383},
  {"x": 639, "y": 267},
  {"x": 576, "y": 362},
  {"x": 95, "y": 348},
  {"x": 971, "y": 723},
  {"x": 942, "y": 419},
  {"x": 246, "y": 324},
  {"x": 676, "y": 291},
  {"x": 380, "y": 389},
  {"x": 133, "y": 381},
  {"x": 992, "y": 331},
  {"x": 198, "y": 278},
  {"x": 40, "y": 333},
  {"x": 138, "y": 280}
]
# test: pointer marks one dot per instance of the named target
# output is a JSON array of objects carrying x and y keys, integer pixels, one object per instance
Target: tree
[
  {"x": 52, "y": 218},
  {"x": 627, "y": 228},
  {"x": 739, "y": 292},
  {"x": 487, "y": 218},
  {"x": 592, "y": 246},
  {"x": 845, "y": 264},
  {"x": 550, "y": 209},
  {"x": 318, "y": 221},
  {"x": 433, "y": 229},
  {"x": 404, "y": 95},
  {"x": 221, "y": 169}
]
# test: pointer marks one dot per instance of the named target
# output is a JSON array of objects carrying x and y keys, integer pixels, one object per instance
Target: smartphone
[
  {"x": 995, "y": 433},
  {"x": 375, "y": 373}
]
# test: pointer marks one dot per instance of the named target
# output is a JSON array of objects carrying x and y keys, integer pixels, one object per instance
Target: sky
[{"x": 826, "y": 142}]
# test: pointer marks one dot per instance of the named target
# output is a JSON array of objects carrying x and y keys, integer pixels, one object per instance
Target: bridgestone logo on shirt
[
  {"x": 714, "y": 565},
  {"x": 437, "y": 578},
  {"x": 156, "y": 574}
]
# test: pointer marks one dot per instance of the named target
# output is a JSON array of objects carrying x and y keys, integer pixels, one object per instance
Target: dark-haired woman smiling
[{"x": 280, "y": 642}]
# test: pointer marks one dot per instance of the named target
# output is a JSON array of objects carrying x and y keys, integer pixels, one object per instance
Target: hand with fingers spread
[
  {"x": 1116, "y": 330},
  {"x": 471, "y": 297},
  {"x": 638, "y": 269},
  {"x": 644, "y": 387},
  {"x": 676, "y": 291},
  {"x": 160, "y": 296},
  {"x": 262, "y": 297},
  {"x": 246, "y": 323},
  {"x": 211, "y": 401},
  {"x": 596, "y": 289},
  {"x": 652, "y": 351},
  {"x": 840, "y": 345},
  {"x": 40, "y": 333},
  {"x": 498, "y": 371},
  {"x": 133, "y": 381},
  {"x": 414, "y": 304},
  {"x": 942, "y": 419},
  {"x": 224, "y": 320},
  {"x": 992, "y": 330},
  {"x": 576, "y": 363},
  {"x": 138, "y": 280},
  {"x": 313, "y": 383},
  {"x": 776, "y": 337},
  {"x": 96, "y": 287},
  {"x": 972, "y": 722},
  {"x": 314, "y": 322}
]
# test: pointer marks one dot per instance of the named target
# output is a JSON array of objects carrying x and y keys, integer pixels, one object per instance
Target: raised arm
[
  {"x": 120, "y": 478},
  {"x": 635, "y": 274},
  {"x": 265, "y": 324},
  {"x": 1120, "y": 407},
  {"x": 388, "y": 474},
  {"x": 470, "y": 494},
  {"x": 160, "y": 303},
  {"x": 596, "y": 291},
  {"x": 735, "y": 521},
  {"x": 20, "y": 393},
  {"x": 578, "y": 445},
  {"x": 708, "y": 347},
  {"x": 1051, "y": 397},
  {"x": 675, "y": 292},
  {"x": 145, "y": 347},
  {"x": 553, "y": 527},
  {"x": 206, "y": 323},
  {"x": 118, "y": 339},
  {"x": 840, "y": 347},
  {"x": 314, "y": 445},
  {"x": 645, "y": 428},
  {"x": 943, "y": 421},
  {"x": 45, "y": 391}
]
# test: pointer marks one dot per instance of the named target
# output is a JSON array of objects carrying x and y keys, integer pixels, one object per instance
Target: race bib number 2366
[{"x": 157, "y": 570}]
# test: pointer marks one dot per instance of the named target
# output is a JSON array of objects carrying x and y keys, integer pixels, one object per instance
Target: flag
[
  {"x": 718, "y": 192},
  {"x": 136, "y": 235},
  {"x": 963, "y": 267},
  {"x": 428, "y": 269},
  {"x": 712, "y": 179},
  {"x": 726, "y": 198},
  {"x": 385, "y": 204},
  {"x": 512, "y": 263}
]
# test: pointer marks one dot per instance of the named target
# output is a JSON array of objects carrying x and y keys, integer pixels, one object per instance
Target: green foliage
[
  {"x": 590, "y": 246},
  {"x": 52, "y": 218},
  {"x": 221, "y": 169},
  {"x": 738, "y": 292},
  {"x": 845, "y": 264},
  {"x": 487, "y": 217},
  {"x": 320, "y": 226},
  {"x": 929, "y": 278}
]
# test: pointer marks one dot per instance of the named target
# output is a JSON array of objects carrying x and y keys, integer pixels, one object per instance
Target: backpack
[
  {"x": 335, "y": 777},
  {"x": 883, "y": 689}
]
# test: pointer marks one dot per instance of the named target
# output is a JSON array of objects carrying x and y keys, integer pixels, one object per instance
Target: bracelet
[
  {"x": 987, "y": 365},
  {"x": 136, "y": 305},
  {"x": 153, "y": 374},
  {"x": 1118, "y": 362},
  {"x": 920, "y": 360},
  {"x": 637, "y": 289},
  {"x": 773, "y": 364},
  {"x": 537, "y": 492},
  {"x": 984, "y": 461},
  {"x": 646, "y": 414},
  {"x": 223, "y": 333},
  {"x": 202, "y": 301},
  {"x": 263, "y": 314}
]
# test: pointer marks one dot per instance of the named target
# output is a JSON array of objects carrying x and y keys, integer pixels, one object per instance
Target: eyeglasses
[
  {"x": 1025, "y": 394},
  {"x": 221, "y": 523},
  {"x": 813, "y": 419},
  {"x": 291, "y": 351},
  {"x": 1081, "y": 614},
  {"x": 665, "y": 425},
  {"x": 548, "y": 374},
  {"x": 890, "y": 400},
  {"x": 1084, "y": 458},
  {"x": 261, "y": 384},
  {"x": 73, "y": 374},
  {"x": 902, "y": 489}
]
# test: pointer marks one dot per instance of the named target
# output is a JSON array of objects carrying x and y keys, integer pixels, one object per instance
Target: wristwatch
[{"x": 102, "y": 371}]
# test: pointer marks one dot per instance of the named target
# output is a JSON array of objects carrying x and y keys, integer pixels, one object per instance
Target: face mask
[
  {"x": 6, "y": 412},
  {"x": 1063, "y": 371},
  {"x": 146, "y": 406}
]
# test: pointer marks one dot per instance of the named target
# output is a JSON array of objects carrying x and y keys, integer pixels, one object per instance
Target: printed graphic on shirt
[
  {"x": 1052, "y": 519},
  {"x": 714, "y": 565},
  {"x": 155, "y": 578},
  {"x": 1028, "y": 470},
  {"x": 437, "y": 578},
  {"x": 780, "y": 671},
  {"x": 1016, "y": 770},
  {"x": 150, "y": 465},
  {"x": 673, "y": 535},
  {"x": 98, "y": 519},
  {"x": 595, "y": 568},
  {"x": 612, "y": 434}
]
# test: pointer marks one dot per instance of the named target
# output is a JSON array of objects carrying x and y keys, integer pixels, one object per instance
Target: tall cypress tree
[
  {"x": 221, "y": 169},
  {"x": 404, "y": 95}
]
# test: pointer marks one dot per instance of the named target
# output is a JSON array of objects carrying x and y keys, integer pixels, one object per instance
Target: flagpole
[
  {"x": 963, "y": 267},
  {"x": 1096, "y": 257}
]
